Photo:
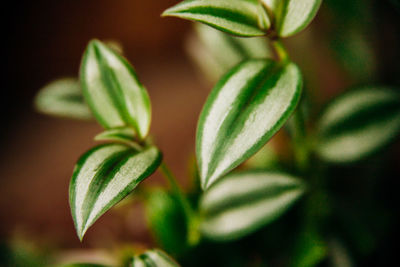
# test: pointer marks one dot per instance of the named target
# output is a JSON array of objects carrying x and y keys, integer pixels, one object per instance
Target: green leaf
[
  {"x": 292, "y": 16},
  {"x": 105, "y": 175},
  {"x": 153, "y": 258},
  {"x": 358, "y": 124},
  {"x": 112, "y": 90},
  {"x": 121, "y": 134},
  {"x": 244, "y": 110},
  {"x": 63, "y": 98},
  {"x": 216, "y": 52},
  {"x": 238, "y": 17},
  {"x": 83, "y": 265},
  {"x": 167, "y": 221},
  {"x": 243, "y": 202}
]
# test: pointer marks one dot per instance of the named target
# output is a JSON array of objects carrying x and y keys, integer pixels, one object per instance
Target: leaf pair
[
  {"x": 107, "y": 173},
  {"x": 358, "y": 123},
  {"x": 241, "y": 203},
  {"x": 245, "y": 109},
  {"x": 249, "y": 17}
]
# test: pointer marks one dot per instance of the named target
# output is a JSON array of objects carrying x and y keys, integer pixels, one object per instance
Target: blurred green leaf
[
  {"x": 63, "y": 98},
  {"x": 120, "y": 134},
  {"x": 339, "y": 254},
  {"x": 105, "y": 175},
  {"x": 238, "y": 17},
  {"x": 83, "y": 265},
  {"x": 153, "y": 258},
  {"x": 358, "y": 123},
  {"x": 112, "y": 90},
  {"x": 241, "y": 203},
  {"x": 291, "y": 16},
  {"x": 166, "y": 219},
  {"x": 216, "y": 52},
  {"x": 310, "y": 249},
  {"x": 244, "y": 110}
]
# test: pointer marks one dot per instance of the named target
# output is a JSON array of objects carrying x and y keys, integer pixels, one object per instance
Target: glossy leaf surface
[
  {"x": 245, "y": 109},
  {"x": 238, "y": 17},
  {"x": 105, "y": 175},
  {"x": 216, "y": 52},
  {"x": 153, "y": 258},
  {"x": 358, "y": 123},
  {"x": 63, "y": 98},
  {"x": 112, "y": 90},
  {"x": 241, "y": 203},
  {"x": 292, "y": 16}
]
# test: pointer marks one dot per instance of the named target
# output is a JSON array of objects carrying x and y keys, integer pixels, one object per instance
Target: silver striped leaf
[
  {"x": 358, "y": 123},
  {"x": 244, "y": 110},
  {"x": 242, "y": 203},
  {"x": 63, "y": 98},
  {"x": 153, "y": 258},
  {"x": 216, "y": 52},
  {"x": 105, "y": 175},
  {"x": 113, "y": 91},
  {"x": 291, "y": 16},
  {"x": 237, "y": 17},
  {"x": 125, "y": 135}
]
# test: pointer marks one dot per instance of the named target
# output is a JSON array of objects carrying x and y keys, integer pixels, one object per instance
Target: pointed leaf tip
[
  {"x": 105, "y": 175},
  {"x": 244, "y": 110}
]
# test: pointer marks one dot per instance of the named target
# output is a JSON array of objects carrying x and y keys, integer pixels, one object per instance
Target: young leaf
[
  {"x": 238, "y": 17},
  {"x": 105, "y": 175},
  {"x": 112, "y": 90},
  {"x": 153, "y": 258},
  {"x": 241, "y": 203},
  {"x": 63, "y": 98},
  {"x": 292, "y": 16},
  {"x": 216, "y": 52},
  {"x": 358, "y": 123},
  {"x": 120, "y": 134},
  {"x": 245, "y": 109}
]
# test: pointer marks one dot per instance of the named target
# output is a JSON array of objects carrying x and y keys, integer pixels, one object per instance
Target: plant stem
[
  {"x": 301, "y": 152},
  {"x": 280, "y": 50},
  {"x": 191, "y": 216}
]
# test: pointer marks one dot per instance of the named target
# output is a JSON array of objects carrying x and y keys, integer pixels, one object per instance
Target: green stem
[
  {"x": 280, "y": 50},
  {"x": 191, "y": 216},
  {"x": 301, "y": 151}
]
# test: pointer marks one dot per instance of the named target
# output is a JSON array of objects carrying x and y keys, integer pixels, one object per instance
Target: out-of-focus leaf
[
  {"x": 83, "y": 265},
  {"x": 166, "y": 219},
  {"x": 238, "y": 17},
  {"x": 339, "y": 255},
  {"x": 310, "y": 249},
  {"x": 121, "y": 134},
  {"x": 105, "y": 175},
  {"x": 241, "y": 203},
  {"x": 291, "y": 16},
  {"x": 63, "y": 98},
  {"x": 153, "y": 258},
  {"x": 244, "y": 110},
  {"x": 216, "y": 52},
  {"x": 112, "y": 90},
  {"x": 358, "y": 123}
]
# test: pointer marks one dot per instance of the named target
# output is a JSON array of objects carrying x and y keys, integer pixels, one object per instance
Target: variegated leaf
[
  {"x": 113, "y": 91},
  {"x": 63, "y": 98},
  {"x": 358, "y": 123},
  {"x": 153, "y": 258},
  {"x": 241, "y": 203},
  {"x": 120, "y": 134},
  {"x": 291, "y": 16},
  {"x": 216, "y": 52},
  {"x": 244, "y": 110},
  {"x": 105, "y": 175},
  {"x": 238, "y": 17}
]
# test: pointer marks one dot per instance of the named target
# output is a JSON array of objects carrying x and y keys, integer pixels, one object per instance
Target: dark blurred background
[{"x": 45, "y": 40}]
